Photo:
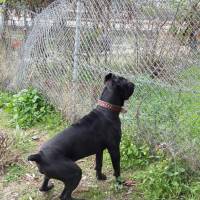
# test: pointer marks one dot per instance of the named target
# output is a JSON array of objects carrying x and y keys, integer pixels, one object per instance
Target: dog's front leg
[
  {"x": 98, "y": 168},
  {"x": 115, "y": 157}
]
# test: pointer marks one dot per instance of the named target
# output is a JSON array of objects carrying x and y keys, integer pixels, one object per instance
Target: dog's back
[{"x": 82, "y": 139}]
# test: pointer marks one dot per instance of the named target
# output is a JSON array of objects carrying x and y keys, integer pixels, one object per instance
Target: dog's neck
[
  {"x": 111, "y": 107},
  {"x": 111, "y": 98},
  {"x": 110, "y": 103},
  {"x": 111, "y": 115}
]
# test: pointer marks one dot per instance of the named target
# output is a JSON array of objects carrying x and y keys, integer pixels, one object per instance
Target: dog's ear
[{"x": 108, "y": 77}]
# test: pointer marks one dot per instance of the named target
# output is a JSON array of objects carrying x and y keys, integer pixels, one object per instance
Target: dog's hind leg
[
  {"x": 71, "y": 178},
  {"x": 69, "y": 173},
  {"x": 45, "y": 185},
  {"x": 98, "y": 168}
]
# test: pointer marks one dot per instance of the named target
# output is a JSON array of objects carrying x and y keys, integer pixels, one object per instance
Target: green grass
[{"x": 15, "y": 172}]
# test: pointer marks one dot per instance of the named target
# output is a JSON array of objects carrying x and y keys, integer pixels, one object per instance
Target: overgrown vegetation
[
  {"x": 162, "y": 140},
  {"x": 168, "y": 179},
  {"x": 27, "y": 108},
  {"x": 134, "y": 155},
  {"x": 158, "y": 173}
]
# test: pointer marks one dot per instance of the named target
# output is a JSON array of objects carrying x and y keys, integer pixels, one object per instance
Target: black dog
[{"x": 99, "y": 130}]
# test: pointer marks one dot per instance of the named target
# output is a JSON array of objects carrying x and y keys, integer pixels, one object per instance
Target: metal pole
[
  {"x": 77, "y": 40},
  {"x": 76, "y": 58},
  {"x": 2, "y": 24}
]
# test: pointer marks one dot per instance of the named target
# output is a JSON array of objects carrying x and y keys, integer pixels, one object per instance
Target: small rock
[
  {"x": 35, "y": 137},
  {"x": 84, "y": 178},
  {"x": 30, "y": 177}
]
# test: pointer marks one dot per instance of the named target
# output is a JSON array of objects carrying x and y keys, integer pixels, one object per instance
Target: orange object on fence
[{"x": 16, "y": 44}]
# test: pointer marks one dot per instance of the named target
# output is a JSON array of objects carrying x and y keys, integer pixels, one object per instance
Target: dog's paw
[
  {"x": 46, "y": 189},
  {"x": 101, "y": 177}
]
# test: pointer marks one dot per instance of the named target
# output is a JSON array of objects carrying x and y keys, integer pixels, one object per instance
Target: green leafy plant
[
  {"x": 165, "y": 180},
  {"x": 27, "y": 108},
  {"x": 134, "y": 155},
  {"x": 4, "y": 99}
]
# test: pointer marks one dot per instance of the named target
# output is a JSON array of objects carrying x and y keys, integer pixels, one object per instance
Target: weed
[
  {"x": 166, "y": 179},
  {"x": 134, "y": 155},
  {"x": 4, "y": 99},
  {"x": 27, "y": 108}
]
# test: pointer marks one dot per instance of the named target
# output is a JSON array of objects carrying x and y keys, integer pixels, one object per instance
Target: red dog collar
[{"x": 109, "y": 106}]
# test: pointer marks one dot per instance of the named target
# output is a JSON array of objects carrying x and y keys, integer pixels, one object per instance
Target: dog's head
[{"x": 117, "y": 89}]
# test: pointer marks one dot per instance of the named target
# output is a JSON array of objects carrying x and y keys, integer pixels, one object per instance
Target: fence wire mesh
[{"x": 71, "y": 45}]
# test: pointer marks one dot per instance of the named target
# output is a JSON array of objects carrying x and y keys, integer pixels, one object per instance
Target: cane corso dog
[{"x": 99, "y": 130}]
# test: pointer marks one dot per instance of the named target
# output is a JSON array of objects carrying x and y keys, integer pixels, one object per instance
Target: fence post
[
  {"x": 1, "y": 20},
  {"x": 76, "y": 57},
  {"x": 77, "y": 40}
]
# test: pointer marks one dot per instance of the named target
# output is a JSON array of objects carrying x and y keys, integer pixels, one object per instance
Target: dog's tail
[{"x": 35, "y": 157}]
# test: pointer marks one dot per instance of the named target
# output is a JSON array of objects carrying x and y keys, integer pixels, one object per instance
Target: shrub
[
  {"x": 27, "y": 108},
  {"x": 134, "y": 155},
  {"x": 4, "y": 99},
  {"x": 166, "y": 180}
]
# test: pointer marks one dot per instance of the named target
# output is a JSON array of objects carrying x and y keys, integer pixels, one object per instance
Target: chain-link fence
[
  {"x": 154, "y": 43},
  {"x": 15, "y": 25}
]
